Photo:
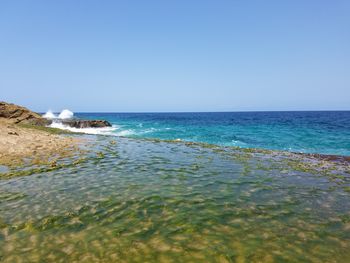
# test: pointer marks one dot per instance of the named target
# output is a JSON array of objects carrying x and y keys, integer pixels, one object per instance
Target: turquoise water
[
  {"x": 308, "y": 132},
  {"x": 134, "y": 200}
]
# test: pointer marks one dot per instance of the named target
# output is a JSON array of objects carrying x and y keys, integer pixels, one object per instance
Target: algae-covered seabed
[{"x": 155, "y": 201}]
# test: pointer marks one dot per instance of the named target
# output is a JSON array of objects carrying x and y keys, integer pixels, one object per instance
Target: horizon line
[{"x": 245, "y": 111}]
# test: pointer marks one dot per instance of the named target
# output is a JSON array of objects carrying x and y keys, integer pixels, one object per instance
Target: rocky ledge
[
  {"x": 17, "y": 114},
  {"x": 75, "y": 123}
]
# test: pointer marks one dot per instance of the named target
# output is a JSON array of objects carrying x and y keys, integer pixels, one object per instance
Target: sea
[
  {"x": 324, "y": 132},
  {"x": 185, "y": 187}
]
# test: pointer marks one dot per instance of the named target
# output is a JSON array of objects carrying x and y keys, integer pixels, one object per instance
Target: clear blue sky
[{"x": 175, "y": 55}]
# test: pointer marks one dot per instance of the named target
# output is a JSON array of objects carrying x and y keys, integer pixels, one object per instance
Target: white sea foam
[
  {"x": 49, "y": 115},
  {"x": 103, "y": 130},
  {"x": 66, "y": 114}
]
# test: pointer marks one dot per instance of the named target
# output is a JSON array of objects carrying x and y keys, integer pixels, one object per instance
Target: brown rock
[
  {"x": 18, "y": 114},
  {"x": 86, "y": 123}
]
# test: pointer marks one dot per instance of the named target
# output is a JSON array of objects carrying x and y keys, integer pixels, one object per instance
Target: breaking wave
[
  {"x": 115, "y": 130},
  {"x": 65, "y": 114},
  {"x": 102, "y": 131},
  {"x": 49, "y": 115}
]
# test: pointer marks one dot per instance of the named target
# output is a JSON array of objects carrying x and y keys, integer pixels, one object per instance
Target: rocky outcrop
[
  {"x": 75, "y": 123},
  {"x": 18, "y": 114}
]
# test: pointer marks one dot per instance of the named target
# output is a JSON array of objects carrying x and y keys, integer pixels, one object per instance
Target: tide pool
[{"x": 136, "y": 200}]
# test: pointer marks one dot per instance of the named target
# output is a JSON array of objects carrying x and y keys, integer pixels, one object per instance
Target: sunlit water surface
[
  {"x": 148, "y": 201},
  {"x": 326, "y": 132}
]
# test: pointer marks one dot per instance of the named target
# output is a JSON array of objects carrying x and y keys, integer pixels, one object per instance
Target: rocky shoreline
[
  {"x": 24, "y": 138},
  {"x": 25, "y": 135},
  {"x": 17, "y": 114},
  {"x": 21, "y": 143},
  {"x": 20, "y": 115}
]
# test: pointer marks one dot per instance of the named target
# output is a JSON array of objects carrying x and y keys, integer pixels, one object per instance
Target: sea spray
[
  {"x": 103, "y": 130},
  {"x": 66, "y": 114},
  {"x": 49, "y": 115}
]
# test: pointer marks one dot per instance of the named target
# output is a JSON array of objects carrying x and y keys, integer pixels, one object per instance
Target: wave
[
  {"x": 114, "y": 130},
  {"x": 49, "y": 115},
  {"x": 65, "y": 114},
  {"x": 97, "y": 131}
]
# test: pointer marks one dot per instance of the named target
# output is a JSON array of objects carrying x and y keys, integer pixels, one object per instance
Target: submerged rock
[
  {"x": 86, "y": 123},
  {"x": 19, "y": 114}
]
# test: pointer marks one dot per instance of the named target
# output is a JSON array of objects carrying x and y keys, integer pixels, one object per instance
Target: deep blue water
[{"x": 326, "y": 132}]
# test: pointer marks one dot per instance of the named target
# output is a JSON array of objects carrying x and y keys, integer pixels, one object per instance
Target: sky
[{"x": 198, "y": 55}]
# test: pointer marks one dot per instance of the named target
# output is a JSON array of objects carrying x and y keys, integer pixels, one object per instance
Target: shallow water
[{"x": 152, "y": 201}]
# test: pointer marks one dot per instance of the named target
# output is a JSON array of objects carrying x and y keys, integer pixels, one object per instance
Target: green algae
[
  {"x": 45, "y": 129},
  {"x": 346, "y": 189},
  {"x": 11, "y": 196},
  {"x": 49, "y": 167}
]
